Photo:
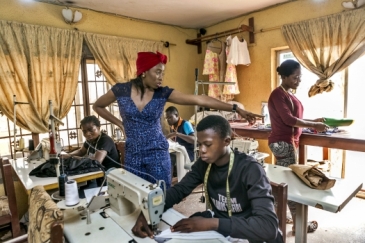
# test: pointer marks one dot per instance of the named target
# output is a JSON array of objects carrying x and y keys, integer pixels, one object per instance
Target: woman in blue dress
[{"x": 141, "y": 103}]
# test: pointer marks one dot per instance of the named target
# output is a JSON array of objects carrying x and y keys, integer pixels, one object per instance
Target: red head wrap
[{"x": 147, "y": 60}]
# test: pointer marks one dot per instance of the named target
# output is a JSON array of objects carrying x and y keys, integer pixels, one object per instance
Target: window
[
  {"x": 7, "y": 136},
  {"x": 345, "y": 100},
  {"x": 91, "y": 85}
]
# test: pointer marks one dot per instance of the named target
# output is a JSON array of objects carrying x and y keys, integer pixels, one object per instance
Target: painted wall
[
  {"x": 255, "y": 80},
  {"x": 182, "y": 62}
]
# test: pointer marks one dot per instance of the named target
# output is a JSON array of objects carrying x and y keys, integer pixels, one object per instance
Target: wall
[
  {"x": 182, "y": 62},
  {"x": 255, "y": 80}
]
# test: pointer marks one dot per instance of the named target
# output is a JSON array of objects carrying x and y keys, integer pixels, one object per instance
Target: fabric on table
[
  {"x": 313, "y": 177},
  {"x": 71, "y": 166}
]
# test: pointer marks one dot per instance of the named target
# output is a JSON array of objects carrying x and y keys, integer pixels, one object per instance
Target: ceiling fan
[{"x": 353, "y": 4}]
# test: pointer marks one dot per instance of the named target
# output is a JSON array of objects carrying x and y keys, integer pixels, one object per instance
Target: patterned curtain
[
  {"x": 327, "y": 45},
  {"x": 116, "y": 56},
  {"x": 37, "y": 64}
]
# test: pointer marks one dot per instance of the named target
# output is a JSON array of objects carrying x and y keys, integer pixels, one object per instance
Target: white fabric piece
[
  {"x": 201, "y": 235},
  {"x": 238, "y": 52},
  {"x": 236, "y": 240}
]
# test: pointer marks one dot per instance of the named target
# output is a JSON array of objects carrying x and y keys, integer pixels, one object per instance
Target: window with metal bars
[{"x": 91, "y": 85}]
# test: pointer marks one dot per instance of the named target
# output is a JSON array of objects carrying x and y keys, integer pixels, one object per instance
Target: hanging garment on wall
[
  {"x": 211, "y": 68},
  {"x": 231, "y": 76},
  {"x": 222, "y": 62},
  {"x": 238, "y": 53}
]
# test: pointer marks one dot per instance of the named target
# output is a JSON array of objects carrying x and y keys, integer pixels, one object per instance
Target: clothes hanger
[
  {"x": 211, "y": 46},
  {"x": 214, "y": 47},
  {"x": 216, "y": 39},
  {"x": 240, "y": 37}
]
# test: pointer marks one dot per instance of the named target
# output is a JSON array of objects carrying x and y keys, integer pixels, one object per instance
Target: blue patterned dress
[{"x": 146, "y": 149}]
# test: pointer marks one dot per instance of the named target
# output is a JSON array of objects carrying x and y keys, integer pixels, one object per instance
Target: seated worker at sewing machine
[
  {"x": 181, "y": 131},
  {"x": 102, "y": 147},
  {"x": 227, "y": 177}
]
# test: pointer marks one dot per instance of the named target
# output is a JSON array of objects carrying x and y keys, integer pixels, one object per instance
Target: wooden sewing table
[{"x": 22, "y": 168}]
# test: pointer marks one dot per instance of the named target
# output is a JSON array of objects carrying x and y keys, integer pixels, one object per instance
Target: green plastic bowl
[{"x": 333, "y": 122}]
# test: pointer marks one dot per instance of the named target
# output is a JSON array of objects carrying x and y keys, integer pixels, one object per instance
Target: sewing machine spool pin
[
  {"x": 52, "y": 139},
  {"x": 15, "y": 102}
]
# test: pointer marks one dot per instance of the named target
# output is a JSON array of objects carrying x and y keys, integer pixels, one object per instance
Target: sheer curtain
[
  {"x": 37, "y": 64},
  {"x": 327, "y": 45},
  {"x": 117, "y": 55}
]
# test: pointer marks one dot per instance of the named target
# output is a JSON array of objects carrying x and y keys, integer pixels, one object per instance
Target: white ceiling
[{"x": 183, "y": 13}]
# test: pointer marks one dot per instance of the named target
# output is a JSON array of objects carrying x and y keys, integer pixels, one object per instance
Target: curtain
[
  {"x": 116, "y": 56},
  {"x": 327, "y": 45},
  {"x": 38, "y": 64}
]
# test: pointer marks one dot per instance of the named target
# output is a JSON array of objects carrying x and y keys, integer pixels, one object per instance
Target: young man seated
[
  {"x": 237, "y": 190},
  {"x": 181, "y": 131}
]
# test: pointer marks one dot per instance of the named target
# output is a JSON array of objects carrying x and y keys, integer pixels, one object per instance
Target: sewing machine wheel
[{"x": 202, "y": 199}]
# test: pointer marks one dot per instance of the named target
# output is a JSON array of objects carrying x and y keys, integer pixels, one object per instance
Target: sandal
[{"x": 312, "y": 226}]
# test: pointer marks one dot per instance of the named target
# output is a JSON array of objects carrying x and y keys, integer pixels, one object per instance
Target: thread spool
[
  {"x": 62, "y": 179},
  {"x": 21, "y": 143},
  {"x": 71, "y": 193}
]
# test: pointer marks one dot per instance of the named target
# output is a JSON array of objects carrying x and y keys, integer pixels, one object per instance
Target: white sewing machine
[
  {"x": 128, "y": 191},
  {"x": 43, "y": 148},
  {"x": 127, "y": 194},
  {"x": 249, "y": 146},
  {"x": 246, "y": 146}
]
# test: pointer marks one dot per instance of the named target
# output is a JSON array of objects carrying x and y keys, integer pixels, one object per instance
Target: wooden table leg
[
  {"x": 325, "y": 153},
  {"x": 302, "y": 154}
]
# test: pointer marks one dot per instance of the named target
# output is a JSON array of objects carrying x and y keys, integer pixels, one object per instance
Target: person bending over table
[
  {"x": 141, "y": 102},
  {"x": 286, "y": 115},
  {"x": 106, "y": 150},
  {"x": 227, "y": 177}
]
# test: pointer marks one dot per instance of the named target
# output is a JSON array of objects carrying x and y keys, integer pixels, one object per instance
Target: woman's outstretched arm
[{"x": 206, "y": 101}]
